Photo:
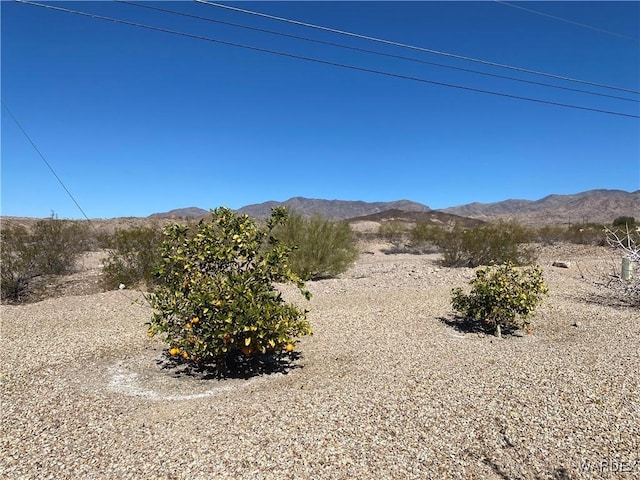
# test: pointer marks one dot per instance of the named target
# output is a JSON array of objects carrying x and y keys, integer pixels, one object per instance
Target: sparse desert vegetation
[
  {"x": 392, "y": 384},
  {"x": 31, "y": 256}
]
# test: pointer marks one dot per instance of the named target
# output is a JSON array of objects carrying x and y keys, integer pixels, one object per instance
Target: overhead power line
[
  {"x": 364, "y": 50},
  {"x": 325, "y": 62},
  {"x": 46, "y": 162},
  {"x": 584, "y": 25},
  {"x": 26, "y": 135},
  {"x": 413, "y": 47}
]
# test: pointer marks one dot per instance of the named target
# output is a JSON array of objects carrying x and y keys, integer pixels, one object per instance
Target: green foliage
[
  {"x": 502, "y": 296},
  {"x": 485, "y": 245},
  {"x": 550, "y": 234},
  {"x": 623, "y": 222},
  {"x": 57, "y": 244},
  {"x": 18, "y": 262},
  {"x": 586, "y": 234},
  {"x": 50, "y": 248},
  {"x": 323, "y": 248},
  {"x": 132, "y": 256},
  {"x": 393, "y": 231},
  {"x": 215, "y": 297},
  {"x": 424, "y": 233}
]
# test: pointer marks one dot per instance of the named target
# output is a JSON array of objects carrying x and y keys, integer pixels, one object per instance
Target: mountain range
[
  {"x": 597, "y": 206},
  {"x": 335, "y": 209},
  {"x": 593, "y": 206}
]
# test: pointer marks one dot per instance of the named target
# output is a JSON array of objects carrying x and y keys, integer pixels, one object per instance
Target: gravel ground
[{"x": 385, "y": 388}]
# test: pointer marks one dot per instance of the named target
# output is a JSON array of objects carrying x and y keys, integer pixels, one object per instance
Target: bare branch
[{"x": 624, "y": 241}]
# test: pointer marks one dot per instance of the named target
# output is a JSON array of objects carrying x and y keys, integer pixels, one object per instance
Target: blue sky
[{"x": 136, "y": 121}]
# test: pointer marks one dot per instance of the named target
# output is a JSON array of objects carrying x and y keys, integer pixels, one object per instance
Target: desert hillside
[{"x": 593, "y": 206}]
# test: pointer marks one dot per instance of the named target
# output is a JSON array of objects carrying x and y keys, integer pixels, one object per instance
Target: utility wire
[
  {"x": 325, "y": 62},
  {"x": 413, "y": 47},
  {"x": 591, "y": 27},
  {"x": 65, "y": 189},
  {"x": 388, "y": 55},
  {"x": 46, "y": 163}
]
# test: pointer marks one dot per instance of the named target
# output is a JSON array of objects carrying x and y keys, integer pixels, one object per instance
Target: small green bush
[
  {"x": 215, "y": 298},
  {"x": 502, "y": 296},
  {"x": 324, "y": 248},
  {"x": 132, "y": 256},
  {"x": 485, "y": 245}
]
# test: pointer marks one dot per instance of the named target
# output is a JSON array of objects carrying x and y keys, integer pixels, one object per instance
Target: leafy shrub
[
  {"x": 215, "y": 297},
  {"x": 485, "y": 245},
  {"x": 623, "y": 222},
  {"x": 323, "y": 248},
  {"x": 132, "y": 256},
  {"x": 502, "y": 296}
]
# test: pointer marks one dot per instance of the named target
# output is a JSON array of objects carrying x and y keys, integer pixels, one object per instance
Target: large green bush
[
  {"x": 623, "y": 222},
  {"x": 215, "y": 297},
  {"x": 132, "y": 256},
  {"x": 502, "y": 296},
  {"x": 324, "y": 248},
  {"x": 51, "y": 247}
]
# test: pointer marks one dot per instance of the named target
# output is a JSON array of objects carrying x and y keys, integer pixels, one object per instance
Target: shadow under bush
[
  {"x": 464, "y": 324},
  {"x": 234, "y": 366}
]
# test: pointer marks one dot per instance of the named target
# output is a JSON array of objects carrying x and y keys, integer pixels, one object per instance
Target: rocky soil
[{"x": 387, "y": 387}]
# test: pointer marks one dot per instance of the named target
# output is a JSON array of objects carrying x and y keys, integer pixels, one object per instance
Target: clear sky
[{"x": 136, "y": 121}]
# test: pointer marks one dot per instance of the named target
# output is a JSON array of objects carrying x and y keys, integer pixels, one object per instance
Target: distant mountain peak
[
  {"x": 334, "y": 209},
  {"x": 592, "y": 206},
  {"x": 181, "y": 213}
]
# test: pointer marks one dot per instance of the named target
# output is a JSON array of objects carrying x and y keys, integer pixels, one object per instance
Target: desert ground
[{"x": 388, "y": 387}]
